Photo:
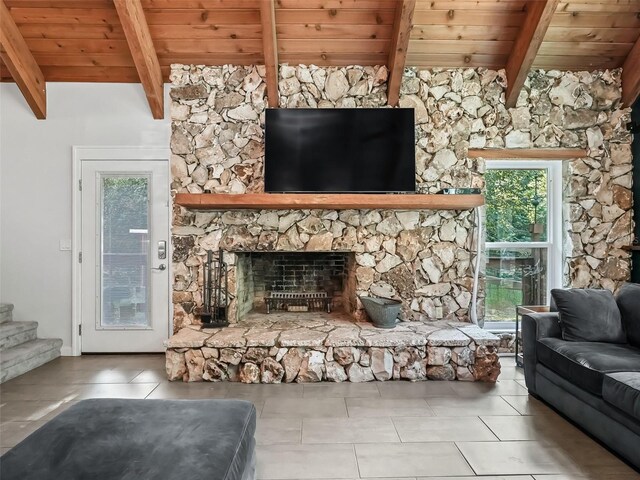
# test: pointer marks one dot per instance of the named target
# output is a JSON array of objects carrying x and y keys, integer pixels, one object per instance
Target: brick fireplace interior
[{"x": 259, "y": 273}]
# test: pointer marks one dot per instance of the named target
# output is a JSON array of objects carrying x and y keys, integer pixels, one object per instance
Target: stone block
[
  {"x": 291, "y": 362},
  {"x": 448, "y": 338},
  {"x": 441, "y": 372},
  {"x": 438, "y": 355},
  {"x": 358, "y": 374},
  {"x": 381, "y": 363},
  {"x": 271, "y": 371},
  {"x": 311, "y": 368},
  {"x": 335, "y": 372},
  {"x": 227, "y": 337},
  {"x": 249, "y": 373},
  {"x": 195, "y": 364},
  {"x": 187, "y": 338},
  {"x": 346, "y": 355},
  {"x": 462, "y": 356},
  {"x": 175, "y": 365}
]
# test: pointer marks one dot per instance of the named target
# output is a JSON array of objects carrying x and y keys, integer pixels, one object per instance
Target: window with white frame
[{"x": 523, "y": 247}]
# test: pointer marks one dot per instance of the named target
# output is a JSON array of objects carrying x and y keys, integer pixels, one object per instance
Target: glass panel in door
[{"x": 124, "y": 252}]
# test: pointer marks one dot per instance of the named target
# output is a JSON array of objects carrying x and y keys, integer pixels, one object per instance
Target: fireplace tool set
[{"x": 216, "y": 292}]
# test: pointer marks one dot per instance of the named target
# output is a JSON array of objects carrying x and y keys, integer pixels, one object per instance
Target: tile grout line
[
  {"x": 489, "y": 427},
  {"x": 465, "y": 459}
]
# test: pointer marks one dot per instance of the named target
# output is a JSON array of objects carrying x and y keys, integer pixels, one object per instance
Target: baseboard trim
[{"x": 66, "y": 351}]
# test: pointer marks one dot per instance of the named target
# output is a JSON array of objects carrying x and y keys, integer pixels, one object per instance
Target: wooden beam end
[{"x": 136, "y": 31}]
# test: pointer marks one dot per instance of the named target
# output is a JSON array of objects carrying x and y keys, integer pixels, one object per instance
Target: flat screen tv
[{"x": 362, "y": 150}]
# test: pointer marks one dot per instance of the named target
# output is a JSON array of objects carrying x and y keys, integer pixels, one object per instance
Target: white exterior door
[{"x": 125, "y": 255}]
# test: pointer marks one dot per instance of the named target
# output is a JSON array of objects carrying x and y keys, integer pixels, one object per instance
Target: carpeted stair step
[
  {"x": 6, "y": 312},
  {"x": 15, "y": 333},
  {"x": 22, "y": 358}
]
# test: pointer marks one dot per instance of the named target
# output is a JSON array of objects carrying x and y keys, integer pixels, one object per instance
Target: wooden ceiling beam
[
  {"x": 398, "y": 49},
  {"x": 270, "y": 49},
  {"x": 136, "y": 31},
  {"x": 20, "y": 62},
  {"x": 526, "y": 46},
  {"x": 631, "y": 76}
]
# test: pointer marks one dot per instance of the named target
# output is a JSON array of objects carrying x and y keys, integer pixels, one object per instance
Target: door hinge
[
  {"x": 80, "y": 330},
  {"x": 79, "y": 257},
  {"x": 80, "y": 184}
]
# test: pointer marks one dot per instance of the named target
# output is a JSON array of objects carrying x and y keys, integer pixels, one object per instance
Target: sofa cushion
[
  {"x": 586, "y": 363},
  {"x": 589, "y": 315},
  {"x": 629, "y": 304},
  {"x": 622, "y": 390}
]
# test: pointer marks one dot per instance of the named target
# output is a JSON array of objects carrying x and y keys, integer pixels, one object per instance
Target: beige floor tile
[
  {"x": 188, "y": 391},
  {"x": 317, "y": 413},
  {"x": 40, "y": 392},
  {"x": 442, "y": 429},
  {"x": 62, "y": 376},
  {"x": 116, "y": 390},
  {"x": 273, "y": 431},
  {"x": 306, "y": 462},
  {"x": 492, "y": 477},
  {"x": 527, "y": 405},
  {"x": 410, "y": 459},
  {"x": 4, "y": 450},
  {"x": 262, "y": 391},
  {"x": 341, "y": 390},
  {"x": 534, "y": 427},
  {"x": 593, "y": 459},
  {"x": 386, "y": 407},
  {"x": 501, "y": 387},
  {"x": 427, "y": 388},
  {"x": 54, "y": 377},
  {"x": 594, "y": 476},
  {"x": 516, "y": 458},
  {"x": 12, "y": 433},
  {"x": 470, "y": 407},
  {"x": 349, "y": 430},
  {"x": 151, "y": 376},
  {"x": 511, "y": 373},
  {"x": 304, "y": 408},
  {"x": 31, "y": 410},
  {"x": 116, "y": 375}
]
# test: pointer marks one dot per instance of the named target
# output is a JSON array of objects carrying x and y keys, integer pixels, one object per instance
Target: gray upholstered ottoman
[{"x": 140, "y": 439}]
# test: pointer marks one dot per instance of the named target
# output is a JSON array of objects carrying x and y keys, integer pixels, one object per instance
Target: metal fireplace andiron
[
  {"x": 216, "y": 292},
  {"x": 297, "y": 301}
]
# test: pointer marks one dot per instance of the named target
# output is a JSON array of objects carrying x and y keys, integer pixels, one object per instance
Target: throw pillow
[
  {"x": 629, "y": 304},
  {"x": 589, "y": 315}
]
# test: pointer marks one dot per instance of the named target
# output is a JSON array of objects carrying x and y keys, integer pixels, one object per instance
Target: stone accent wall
[
  {"x": 423, "y": 257},
  {"x": 564, "y": 109}
]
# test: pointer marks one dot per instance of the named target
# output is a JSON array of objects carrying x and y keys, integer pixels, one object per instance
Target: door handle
[{"x": 161, "y": 267}]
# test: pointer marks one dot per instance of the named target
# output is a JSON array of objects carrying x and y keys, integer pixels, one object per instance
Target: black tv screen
[{"x": 340, "y": 150}]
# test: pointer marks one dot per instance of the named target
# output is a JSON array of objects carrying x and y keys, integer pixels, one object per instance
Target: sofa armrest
[{"x": 534, "y": 327}]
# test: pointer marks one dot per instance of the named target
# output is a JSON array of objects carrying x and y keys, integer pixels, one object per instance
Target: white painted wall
[{"x": 36, "y": 190}]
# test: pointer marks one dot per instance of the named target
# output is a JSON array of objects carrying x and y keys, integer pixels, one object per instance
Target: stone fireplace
[
  {"x": 424, "y": 258},
  {"x": 299, "y": 273}
]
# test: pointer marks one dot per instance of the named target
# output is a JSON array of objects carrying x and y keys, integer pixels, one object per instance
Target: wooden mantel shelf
[{"x": 284, "y": 201}]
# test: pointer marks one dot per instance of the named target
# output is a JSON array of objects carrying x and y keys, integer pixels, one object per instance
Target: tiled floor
[{"x": 438, "y": 430}]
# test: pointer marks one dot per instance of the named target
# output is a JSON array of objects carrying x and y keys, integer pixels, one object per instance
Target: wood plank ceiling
[{"x": 84, "y": 40}]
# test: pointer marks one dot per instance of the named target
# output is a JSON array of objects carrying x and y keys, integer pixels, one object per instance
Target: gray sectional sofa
[{"x": 584, "y": 360}]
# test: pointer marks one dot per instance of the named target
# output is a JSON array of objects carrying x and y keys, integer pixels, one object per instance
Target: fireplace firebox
[{"x": 295, "y": 281}]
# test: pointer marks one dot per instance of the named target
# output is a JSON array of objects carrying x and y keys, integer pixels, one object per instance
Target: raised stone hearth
[{"x": 293, "y": 347}]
